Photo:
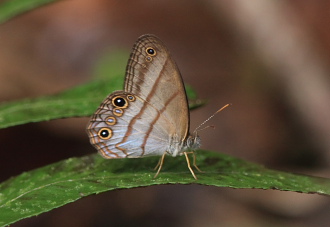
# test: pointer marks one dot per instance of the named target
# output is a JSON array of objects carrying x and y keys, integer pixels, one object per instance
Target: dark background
[{"x": 268, "y": 58}]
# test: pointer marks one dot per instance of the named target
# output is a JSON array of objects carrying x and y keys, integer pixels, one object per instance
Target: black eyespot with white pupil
[
  {"x": 105, "y": 133},
  {"x": 151, "y": 51},
  {"x": 120, "y": 102}
]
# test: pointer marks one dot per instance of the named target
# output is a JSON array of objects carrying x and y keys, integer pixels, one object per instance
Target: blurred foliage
[{"x": 12, "y": 8}]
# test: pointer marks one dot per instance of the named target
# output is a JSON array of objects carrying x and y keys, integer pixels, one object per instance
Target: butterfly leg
[
  {"x": 194, "y": 162},
  {"x": 160, "y": 164},
  {"x": 188, "y": 163},
  {"x": 156, "y": 167}
]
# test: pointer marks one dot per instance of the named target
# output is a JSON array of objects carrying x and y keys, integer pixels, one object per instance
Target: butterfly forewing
[{"x": 153, "y": 76}]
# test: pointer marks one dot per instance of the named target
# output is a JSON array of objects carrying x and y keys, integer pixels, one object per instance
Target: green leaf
[
  {"x": 55, "y": 185},
  {"x": 80, "y": 101},
  {"x": 11, "y": 8}
]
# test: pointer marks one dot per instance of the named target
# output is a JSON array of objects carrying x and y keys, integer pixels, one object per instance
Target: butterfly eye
[
  {"x": 151, "y": 51},
  {"x": 119, "y": 102},
  {"x": 105, "y": 133},
  {"x": 110, "y": 121}
]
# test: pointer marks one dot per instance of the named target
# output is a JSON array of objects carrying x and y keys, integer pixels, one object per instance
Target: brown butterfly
[{"x": 150, "y": 116}]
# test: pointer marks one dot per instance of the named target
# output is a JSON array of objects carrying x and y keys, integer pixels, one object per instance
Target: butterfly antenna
[
  {"x": 219, "y": 110},
  {"x": 208, "y": 126}
]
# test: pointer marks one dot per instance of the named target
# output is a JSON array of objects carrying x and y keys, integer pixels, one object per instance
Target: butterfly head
[{"x": 193, "y": 142}]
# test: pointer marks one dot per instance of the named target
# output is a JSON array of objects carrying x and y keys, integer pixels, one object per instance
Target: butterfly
[{"x": 150, "y": 117}]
